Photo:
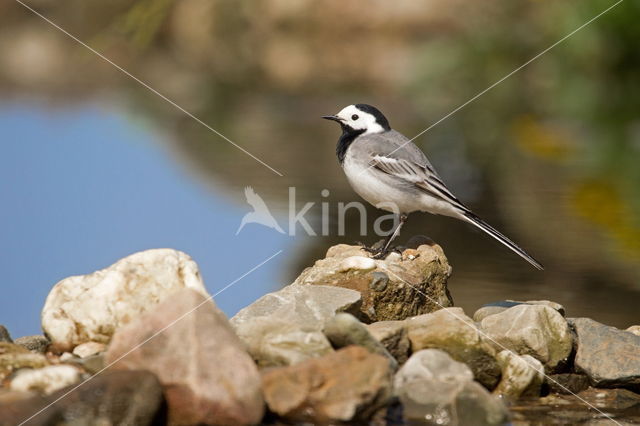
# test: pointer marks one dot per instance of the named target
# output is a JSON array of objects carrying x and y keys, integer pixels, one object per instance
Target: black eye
[{"x": 354, "y": 117}]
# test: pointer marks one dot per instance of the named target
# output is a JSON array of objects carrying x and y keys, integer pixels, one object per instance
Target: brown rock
[
  {"x": 207, "y": 376},
  {"x": 393, "y": 288},
  {"x": 4, "y": 335},
  {"x": 568, "y": 383},
  {"x": 393, "y": 336},
  {"x": 348, "y": 384}
]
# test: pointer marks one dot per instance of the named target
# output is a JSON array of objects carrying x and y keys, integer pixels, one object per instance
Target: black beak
[{"x": 332, "y": 118}]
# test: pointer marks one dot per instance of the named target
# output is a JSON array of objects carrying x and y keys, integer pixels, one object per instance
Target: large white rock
[{"x": 91, "y": 307}]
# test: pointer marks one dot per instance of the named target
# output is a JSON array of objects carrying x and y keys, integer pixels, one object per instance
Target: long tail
[{"x": 475, "y": 220}]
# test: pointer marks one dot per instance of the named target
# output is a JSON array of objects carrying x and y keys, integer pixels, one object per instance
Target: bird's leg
[{"x": 382, "y": 252}]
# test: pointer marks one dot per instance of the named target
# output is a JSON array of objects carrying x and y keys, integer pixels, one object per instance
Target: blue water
[{"x": 82, "y": 188}]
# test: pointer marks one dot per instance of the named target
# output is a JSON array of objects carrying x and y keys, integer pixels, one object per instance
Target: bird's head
[{"x": 361, "y": 118}]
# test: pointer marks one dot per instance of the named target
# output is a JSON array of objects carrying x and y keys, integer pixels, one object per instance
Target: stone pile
[{"x": 353, "y": 339}]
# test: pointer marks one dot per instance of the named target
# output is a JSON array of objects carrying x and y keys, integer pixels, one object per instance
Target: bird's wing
[
  {"x": 254, "y": 199},
  {"x": 421, "y": 175}
]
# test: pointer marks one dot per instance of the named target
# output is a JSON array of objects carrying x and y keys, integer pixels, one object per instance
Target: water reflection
[
  {"x": 549, "y": 156},
  {"x": 82, "y": 188}
]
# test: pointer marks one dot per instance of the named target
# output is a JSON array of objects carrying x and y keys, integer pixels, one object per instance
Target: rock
[
  {"x": 37, "y": 343},
  {"x": 392, "y": 289},
  {"x": 497, "y": 307},
  {"x": 553, "y": 305},
  {"x": 535, "y": 330},
  {"x": 393, "y": 336},
  {"x": 345, "y": 385},
  {"x": 91, "y": 364},
  {"x": 485, "y": 311},
  {"x": 521, "y": 375},
  {"x": 635, "y": 329},
  {"x": 112, "y": 398},
  {"x": 434, "y": 387},
  {"x": 452, "y": 331},
  {"x": 91, "y": 307},
  {"x": 67, "y": 357},
  {"x": 190, "y": 346},
  {"x": 567, "y": 383},
  {"x": 344, "y": 330},
  {"x": 285, "y": 327},
  {"x": 84, "y": 350},
  {"x": 610, "y": 357},
  {"x": 46, "y": 380},
  {"x": 357, "y": 263},
  {"x": 4, "y": 335},
  {"x": 14, "y": 357}
]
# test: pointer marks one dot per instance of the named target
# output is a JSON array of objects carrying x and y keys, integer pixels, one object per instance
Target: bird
[
  {"x": 387, "y": 169},
  {"x": 260, "y": 213}
]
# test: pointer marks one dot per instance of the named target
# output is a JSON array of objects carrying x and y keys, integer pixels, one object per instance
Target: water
[{"x": 84, "y": 187}]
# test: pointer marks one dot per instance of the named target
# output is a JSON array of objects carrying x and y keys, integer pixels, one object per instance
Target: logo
[
  {"x": 298, "y": 220},
  {"x": 260, "y": 214}
]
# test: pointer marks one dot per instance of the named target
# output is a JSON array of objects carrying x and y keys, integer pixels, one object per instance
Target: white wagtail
[{"x": 383, "y": 166}]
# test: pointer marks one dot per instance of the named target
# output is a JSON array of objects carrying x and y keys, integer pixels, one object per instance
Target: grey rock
[
  {"x": 379, "y": 281},
  {"x": 207, "y": 376},
  {"x": 393, "y": 336},
  {"x": 114, "y": 397},
  {"x": 285, "y": 327},
  {"x": 452, "y": 331},
  {"x": 439, "y": 390},
  {"x": 609, "y": 356},
  {"x": 536, "y": 330},
  {"x": 521, "y": 375},
  {"x": 417, "y": 281},
  {"x": 37, "y": 343},
  {"x": 567, "y": 383},
  {"x": 345, "y": 329},
  {"x": 4, "y": 335}
]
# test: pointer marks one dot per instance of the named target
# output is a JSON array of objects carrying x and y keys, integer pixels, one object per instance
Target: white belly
[
  {"x": 385, "y": 193},
  {"x": 378, "y": 192}
]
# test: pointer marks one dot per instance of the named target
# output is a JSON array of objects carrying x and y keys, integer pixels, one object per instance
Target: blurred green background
[{"x": 551, "y": 156}]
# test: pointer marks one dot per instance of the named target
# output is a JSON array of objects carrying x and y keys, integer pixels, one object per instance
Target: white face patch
[{"x": 358, "y": 120}]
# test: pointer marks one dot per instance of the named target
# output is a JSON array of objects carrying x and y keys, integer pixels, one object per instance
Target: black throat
[{"x": 345, "y": 141}]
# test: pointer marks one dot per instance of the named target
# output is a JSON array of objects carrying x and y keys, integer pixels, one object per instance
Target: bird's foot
[{"x": 378, "y": 251}]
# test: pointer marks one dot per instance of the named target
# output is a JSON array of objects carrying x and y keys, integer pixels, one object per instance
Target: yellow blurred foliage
[
  {"x": 600, "y": 202},
  {"x": 541, "y": 140}
]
